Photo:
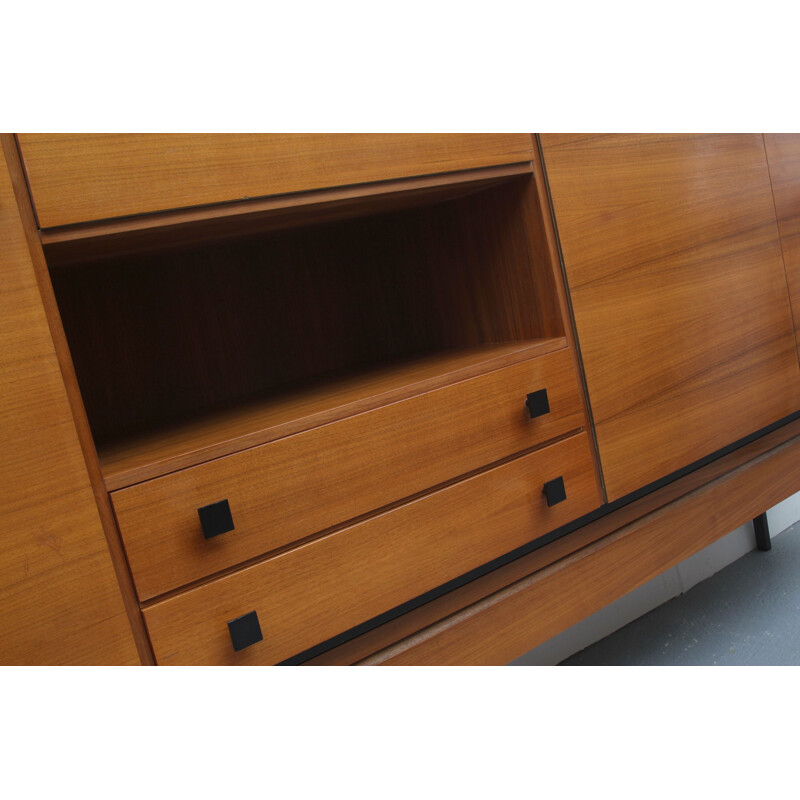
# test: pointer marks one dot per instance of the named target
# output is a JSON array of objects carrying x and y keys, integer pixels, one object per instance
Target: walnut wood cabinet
[{"x": 377, "y": 398}]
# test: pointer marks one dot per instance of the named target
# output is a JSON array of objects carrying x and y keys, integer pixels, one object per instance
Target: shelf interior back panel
[{"x": 164, "y": 340}]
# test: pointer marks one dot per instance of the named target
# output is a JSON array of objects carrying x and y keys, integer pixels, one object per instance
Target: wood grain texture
[
  {"x": 674, "y": 268},
  {"x": 58, "y": 591},
  {"x": 783, "y": 154},
  {"x": 510, "y": 622},
  {"x": 80, "y": 177},
  {"x": 314, "y": 592},
  {"x": 459, "y": 600},
  {"x": 185, "y": 445},
  {"x": 107, "y": 519},
  {"x": 299, "y": 485},
  {"x": 165, "y": 338}
]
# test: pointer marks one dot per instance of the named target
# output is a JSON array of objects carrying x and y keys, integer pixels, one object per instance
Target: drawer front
[
  {"x": 286, "y": 490},
  {"x": 320, "y": 589},
  {"x": 84, "y": 177}
]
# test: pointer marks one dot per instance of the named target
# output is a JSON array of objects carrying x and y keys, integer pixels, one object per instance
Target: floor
[{"x": 746, "y": 614}]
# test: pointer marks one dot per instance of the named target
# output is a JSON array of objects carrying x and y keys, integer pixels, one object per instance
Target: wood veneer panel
[
  {"x": 313, "y": 592},
  {"x": 503, "y": 626},
  {"x": 58, "y": 591},
  {"x": 299, "y": 485},
  {"x": 674, "y": 267},
  {"x": 783, "y": 153},
  {"x": 80, "y": 177}
]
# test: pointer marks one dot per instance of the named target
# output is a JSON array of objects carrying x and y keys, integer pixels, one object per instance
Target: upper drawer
[
  {"x": 288, "y": 489},
  {"x": 83, "y": 177}
]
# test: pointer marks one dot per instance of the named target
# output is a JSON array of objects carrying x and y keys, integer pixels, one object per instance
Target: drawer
[
  {"x": 286, "y": 490},
  {"x": 84, "y": 177},
  {"x": 309, "y": 594}
]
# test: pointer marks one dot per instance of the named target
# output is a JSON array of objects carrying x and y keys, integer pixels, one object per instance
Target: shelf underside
[
  {"x": 75, "y": 244},
  {"x": 221, "y": 433}
]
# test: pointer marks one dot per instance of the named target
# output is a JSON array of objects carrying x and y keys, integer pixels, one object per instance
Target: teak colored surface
[
  {"x": 80, "y": 177},
  {"x": 85, "y": 439},
  {"x": 59, "y": 595},
  {"x": 783, "y": 153},
  {"x": 336, "y": 333},
  {"x": 320, "y": 589},
  {"x": 676, "y": 279},
  {"x": 296, "y": 486},
  {"x": 521, "y": 616}
]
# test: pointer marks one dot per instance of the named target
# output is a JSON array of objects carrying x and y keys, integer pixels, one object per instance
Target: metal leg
[{"x": 761, "y": 528}]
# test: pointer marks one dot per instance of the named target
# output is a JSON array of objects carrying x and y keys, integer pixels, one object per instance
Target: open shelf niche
[{"x": 200, "y": 345}]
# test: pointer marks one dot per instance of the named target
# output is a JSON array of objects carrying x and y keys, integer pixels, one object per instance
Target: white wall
[{"x": 670, "y": 584}]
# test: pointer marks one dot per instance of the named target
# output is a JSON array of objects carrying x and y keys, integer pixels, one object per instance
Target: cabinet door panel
[
  {"x": 783, "y": 152},
  {"x": 674, "y": 267},
  {"x": 79, "y": 177}
]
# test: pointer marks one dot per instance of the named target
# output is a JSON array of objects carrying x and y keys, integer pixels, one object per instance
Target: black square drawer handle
[
  {"x": 555, "y": 491},
  {"x": 245, "y": 630},
  {"x": 537, "y": 403},
  {"x": 215, "y": 519}
]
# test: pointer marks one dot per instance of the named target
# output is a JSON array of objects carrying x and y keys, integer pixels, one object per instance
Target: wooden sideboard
[{"x": 329, "y": 399}]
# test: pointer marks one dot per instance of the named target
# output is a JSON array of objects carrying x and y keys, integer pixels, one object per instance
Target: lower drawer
[{"x": 320, "y": 589}]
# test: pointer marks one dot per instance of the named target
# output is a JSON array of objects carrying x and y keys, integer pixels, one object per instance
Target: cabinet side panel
[
  {"x": 674, "y": 267},
  {"x": 80, "y": 177},
  {"x": 58, "y": 591}
]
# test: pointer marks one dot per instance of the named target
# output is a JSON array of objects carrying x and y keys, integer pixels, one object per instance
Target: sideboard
[{"x": 380, "y": 398}]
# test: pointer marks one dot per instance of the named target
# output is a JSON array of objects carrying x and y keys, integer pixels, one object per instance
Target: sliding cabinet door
[{"x": 677, "y": 283}]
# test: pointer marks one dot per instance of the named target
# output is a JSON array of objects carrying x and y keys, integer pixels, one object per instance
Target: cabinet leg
[{"x": 761, "y": 528}]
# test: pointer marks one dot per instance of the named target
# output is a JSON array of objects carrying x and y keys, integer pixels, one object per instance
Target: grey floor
[{"x": 747, "y": 614}]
